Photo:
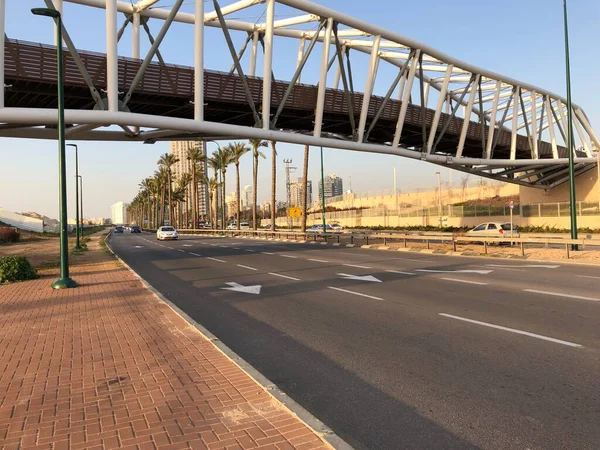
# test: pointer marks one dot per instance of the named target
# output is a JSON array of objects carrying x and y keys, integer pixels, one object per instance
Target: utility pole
[
  {"x": 288, "y": 188},
  {"x": 439, "y": 176}
]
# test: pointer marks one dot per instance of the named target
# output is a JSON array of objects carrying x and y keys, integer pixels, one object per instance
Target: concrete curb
[{"x": 313, "y": 423}]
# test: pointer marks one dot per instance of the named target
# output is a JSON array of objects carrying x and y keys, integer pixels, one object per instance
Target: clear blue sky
[{"x": 521, "y": 39}]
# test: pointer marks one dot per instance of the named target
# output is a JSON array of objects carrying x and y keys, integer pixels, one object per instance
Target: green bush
[{"x": 16, "y": 268}]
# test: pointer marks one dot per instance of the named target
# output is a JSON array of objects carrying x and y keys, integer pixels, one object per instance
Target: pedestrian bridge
[{"x": 436, "y": 109}]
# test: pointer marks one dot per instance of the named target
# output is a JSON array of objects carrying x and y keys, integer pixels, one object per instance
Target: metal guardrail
[{"x": 386, "y": 239}]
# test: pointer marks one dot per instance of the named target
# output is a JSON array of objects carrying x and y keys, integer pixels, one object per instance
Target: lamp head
[{"x": 46, "y": 12}]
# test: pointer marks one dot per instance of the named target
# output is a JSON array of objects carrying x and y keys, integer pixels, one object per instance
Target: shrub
[
  {"x": 9, "y": 234},
  {"x": 16, "y": 268}
]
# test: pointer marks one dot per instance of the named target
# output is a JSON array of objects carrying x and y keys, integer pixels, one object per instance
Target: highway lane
[{"x": 376, "y": 361}]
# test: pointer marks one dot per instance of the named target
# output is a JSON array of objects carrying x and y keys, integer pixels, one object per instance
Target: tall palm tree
[
  {"x": 305, "y": 188},
  {"x": 147, "y": 191},
  {"x": 256, "y": 153},
  {"x": 154, "y": 192},
  {"x": 161, "y": 179},
  {"x": 238, "y": 149},
  {"x": 182, "y": 191},
  {"x": 213, "y": 185},
  {"x": 168, "y": 160},
  {"x": 225, "y": 156},
  {"x": 195, "y": 156},
  {"x": 214, "y": 163},
  {"x": 273, "y": 185}
]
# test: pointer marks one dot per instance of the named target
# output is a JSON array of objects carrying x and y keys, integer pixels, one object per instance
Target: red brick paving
[{"x": 108, "y": 365}]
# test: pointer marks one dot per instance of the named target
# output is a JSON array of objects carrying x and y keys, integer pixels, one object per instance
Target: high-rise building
[
  {"x": 296, "y": 189},
  {"x": 334, "y": 186},
  {"x": 247, "y": 197},
  {"x": 180, "y": 149},
  {"x": 231, "y": 204},
  {"x": 118, "y": 213}
]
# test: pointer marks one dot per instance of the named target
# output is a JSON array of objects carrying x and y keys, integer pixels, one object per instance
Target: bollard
[
  {"x": 485, "y": 247},
  {"x": 384, "y": 241},
  {"x": 351, "y": 239},
  {"x": 338, "y": 238},
  {"x": 567, "y": 248},
  {"x": 454, "y": 244},
  {"x": 522, "y": 248},
  {"x": 427, "y": 240},
  {"x": 367, "y": 237},
  {"x": 404, "y": 242},
  {"x": 315, "y": 238}
]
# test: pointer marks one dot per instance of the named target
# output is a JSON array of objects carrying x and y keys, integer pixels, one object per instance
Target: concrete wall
[
  {"x": 586, "y": 188},
  {"x": 21, "y": 222}
]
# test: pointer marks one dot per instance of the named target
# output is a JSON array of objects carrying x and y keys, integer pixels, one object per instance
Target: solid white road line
[
  {"x": 319, "y": 260},
  {"x": 236, "y": 248},
  {"x": 246, "y": 267},
  {"x": 588, "y": 276},
  {"x": 284, "y": 276},
  {"x": 251, "y": 251},
  {"x": 560, "y": 294},
  {"x": 512, "y": 330},
  {"x": 358, "y": 267},
  {"x": 195, "y": 254},
  {"x": 215, "y": 259},
  {"x": 356, "y": 293},
  {"x": 223, "y": 246},
  {"x": 463, "y": 281},
  {"x": 400, "y": 272},
  {"x": 290, "y": 256},
  {"x": 267, "y": 253}
]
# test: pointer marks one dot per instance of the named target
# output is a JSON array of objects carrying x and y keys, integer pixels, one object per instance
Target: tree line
[{"x": 161, "y": 199}]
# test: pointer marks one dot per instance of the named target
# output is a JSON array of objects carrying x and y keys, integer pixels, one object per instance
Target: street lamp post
[
  {"x": 572, "y": 194},
  {"x": 323, "y": 193},
  {"x": 439, "y": 176},
  {"x": 64, "y": 281},
  {"x": 77, "y": 232},
  {"x": 81, "y": 202}
]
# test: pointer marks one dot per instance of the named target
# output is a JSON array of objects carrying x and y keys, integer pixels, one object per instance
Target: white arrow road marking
[
  {"x": 246, "y": 289},
  {"x": 481, "y": 272},
  {"x": 359, "y": 277},
  {"x": 512, "y": 330},
  {"x": 540, "y": 266}
]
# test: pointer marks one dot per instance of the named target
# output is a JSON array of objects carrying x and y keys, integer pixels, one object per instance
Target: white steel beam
[
  {"x": 301, "y": 47},
  {"x": 253, "y": 54},
  {"x": 467, "y": 119},
  {"x": 58, "y": 5},
  {"x": 582, "y": 138},
  {"x": 322, "y": 80},
  {"x": 492, "y": 125},
  {"x": 438, "y": 109},
  {"x": 268, "y": 64},
  {"x": 135, "y": 37},
  {"x": 551, "y": 128},
  {"x": 409, "y": 83},
  {"x": 199, "y": 61},
  {"x": 142, "y": 5},
  {"x": 295, "y": 20},
  {"x": 371, "y": 75},
  {"x": 534, "y": 141},
  {"x": 515, "y": 119},
  {"x": 588, "y": 128},
  {"x": 112, "y": 76},
  {"x": 225, "y": 10}
]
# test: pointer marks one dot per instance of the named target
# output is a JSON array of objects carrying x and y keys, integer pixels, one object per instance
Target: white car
[
  {"x": 494, "y": 230},
  {"x": 166, "y": 233},
  {"x": 232, "y": 226},
  {"x": 336, "y": 227},
  {"x": 244, "y": 226}
]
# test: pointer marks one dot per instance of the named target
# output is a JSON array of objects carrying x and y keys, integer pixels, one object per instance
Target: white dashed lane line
[
  {"x": 464, "y": 281},
  {"x": 357, "y": 266},
  {"x": 400, "y": 272},
  {"x": 560, "y": 294},
  {"x": 318, "y": 260},
  {"x": 284, "y": 276},
  {"x": 289, "y": 256},
  {"x": 215, "y": 259},
  {"x": 195, "y": 254},
  {"x": 356, "y": 293}
]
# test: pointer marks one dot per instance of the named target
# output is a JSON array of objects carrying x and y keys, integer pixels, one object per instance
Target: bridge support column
[
  {"x": 199, "y": 62},
  {"x": 112, "y": 77},
  {"x": 2, "y": 28},
  {"x": 323, "y": 80},
  {"x": 252, "y": 69},
  {"x": 268, "y": 64}
]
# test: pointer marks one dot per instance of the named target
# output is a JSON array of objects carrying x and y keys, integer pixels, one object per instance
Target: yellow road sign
[{"x": 295, "y": 212}]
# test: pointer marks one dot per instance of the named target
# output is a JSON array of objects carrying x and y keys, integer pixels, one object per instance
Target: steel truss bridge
[{"x": 436, "y": 109}]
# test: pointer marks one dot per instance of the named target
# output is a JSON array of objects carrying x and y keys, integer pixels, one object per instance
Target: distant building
[
  {"x": 180, "y": 149},
  {"x": 333, "y": 186},
  {"x": 296, "y": 191},
  {"x": 247, "y": 199},
  {"x": 231, "y": 202},
  {"x": 118, "y": 213}
]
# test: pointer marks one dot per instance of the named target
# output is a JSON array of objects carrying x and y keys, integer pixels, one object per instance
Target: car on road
[
  {"x": 135, "y": 229},
  {"x": 244, "y": 226},
  {"x": 268, "y": 228},
  {"x": 494, "y": 230},
  {"x": 232, "y": 226},
  {"x": 118, "y": 229},
  {"x": 318, "y": 228},
  {"x": 335, "y": 226},
  {"x": 166, "y": 232}
]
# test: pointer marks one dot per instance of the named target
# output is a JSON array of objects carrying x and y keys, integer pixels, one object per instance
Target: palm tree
[
  {"x": 195, "y": 156},
  {"x": 225, "y": 158},
  {"x": 273, "y": 185},
  {"x": 305, "y": 188},
  {"x": 256, "y": 153},
  {"x": 167, "y": 161},
  {"x": 215, "y": 164},
  {"x": 238, "y": 149},
  {"x": 147, "y": 191},
  {"x": 162, "y": 179},
  {"x": 213, "y": 185},
  {"x": 154, "y": 191},
  {"x": 182, "y": 190}
]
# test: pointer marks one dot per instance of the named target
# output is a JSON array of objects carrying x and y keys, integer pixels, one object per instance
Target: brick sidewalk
[{"x": 108, "y": 365}]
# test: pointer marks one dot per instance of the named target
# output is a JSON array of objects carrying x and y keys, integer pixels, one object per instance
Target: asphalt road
[{"x": 426, "y": 352}]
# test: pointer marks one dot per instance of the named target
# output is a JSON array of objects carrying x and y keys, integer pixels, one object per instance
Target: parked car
[
  {"x": 166, "y": 232},
  {"x": 336, "y": 227},
  {"x": 232, "y": 226},
  {"x": 118, "y": 229},
  {"x": 244, "y": 226},
  {"x": 135, "y": 229},
  {"x": 268, "y": 228},
  {"x": 494, "y": 230}
]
